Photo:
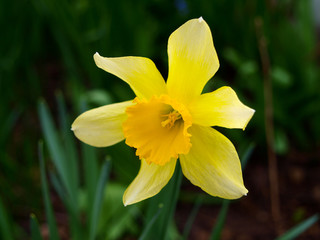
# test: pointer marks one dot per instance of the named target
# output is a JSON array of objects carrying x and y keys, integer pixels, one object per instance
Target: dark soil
[{"x": 250, "y": 217}]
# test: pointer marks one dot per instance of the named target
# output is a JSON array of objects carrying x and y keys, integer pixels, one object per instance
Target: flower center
[
  {"x": 171, "y": 118},
  {"x": 158, "y": 129}
]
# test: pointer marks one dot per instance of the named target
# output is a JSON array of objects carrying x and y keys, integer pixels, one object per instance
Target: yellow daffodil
[{"x": 171, "y": 120}]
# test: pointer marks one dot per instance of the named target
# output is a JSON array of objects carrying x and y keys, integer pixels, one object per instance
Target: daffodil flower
[{"x": 172, "y": 120}]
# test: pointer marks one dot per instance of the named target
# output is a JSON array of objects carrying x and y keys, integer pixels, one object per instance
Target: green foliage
[
  {"x": 216, "y": 231},
  {"x": 164, "y": 205},
  {"x": 93, "y": 218},
  {"x": 53, "y": 230},
  {"x": 35, "y": 229},
  {"x": 192, "y": 216},
  {"x": 87, "y": 199},
  {"x": 47, "y": 47},
  {"x": 5, "y": 224},
  {"x": 297, "y": 230}
]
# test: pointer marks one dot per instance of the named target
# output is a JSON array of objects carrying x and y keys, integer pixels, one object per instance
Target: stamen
[{"x": 171, "y": 118}]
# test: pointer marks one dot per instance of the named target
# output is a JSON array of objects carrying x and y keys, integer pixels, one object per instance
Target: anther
[{"x": 171, "y": 118}]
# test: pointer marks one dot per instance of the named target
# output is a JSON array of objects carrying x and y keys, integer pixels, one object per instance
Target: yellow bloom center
[
  {"x": 171, "y": 118},
  {"x": 158, "y": 129}
]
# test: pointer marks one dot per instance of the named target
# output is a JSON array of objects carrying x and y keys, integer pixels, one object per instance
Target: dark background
[{"x": 269, "y": 53}]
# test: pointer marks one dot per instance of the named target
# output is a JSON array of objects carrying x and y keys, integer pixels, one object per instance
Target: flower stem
[{"x": 269, "y": 127}]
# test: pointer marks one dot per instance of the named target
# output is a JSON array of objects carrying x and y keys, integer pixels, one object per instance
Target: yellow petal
[
  {"x": 158, "y": 129},
  {"x": 220, "y": 108},
  {"x": 192, "y": 60},
  {"x": 213, "y": 164},
  {"x": 149, "y": 181},
  {"x": 140, "y": 73},
  {"x": 101, "y": 127}
]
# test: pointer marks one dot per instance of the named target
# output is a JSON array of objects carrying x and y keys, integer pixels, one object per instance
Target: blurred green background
[{"x": 48, "y": 77}]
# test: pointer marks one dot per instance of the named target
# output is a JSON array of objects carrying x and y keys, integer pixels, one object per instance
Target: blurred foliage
[{"x": 47, "y": 46}]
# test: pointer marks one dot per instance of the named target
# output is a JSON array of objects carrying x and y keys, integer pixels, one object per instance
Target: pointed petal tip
[
  {"x": 73, "y": 127},
  {"x": 124, "y": 201},
  {"x": 245, "y": 192},
  {"x": 149, "y": 182},
  {"x": 96, "y": 58},
  {"x": 242, "y": 191},
  {"x": 249, "y": 118},
  {"x": 127, "y": 202},
  {"x": 191, "y": 55}
]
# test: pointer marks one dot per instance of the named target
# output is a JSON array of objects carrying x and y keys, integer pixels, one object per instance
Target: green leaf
[
  {"x": 171, "y": 201},
  {"x": 117, "y": 220},
  {"x": 216, "y": 231},
  {"x": 104, "y": 175},
  {"x": 168, "y": 198},
  {"x": 53, "y": 230},
  {"x": 34, "y": 226},
  {"x": 147, "y": 228},
  {"x": 192, "y": 216},
  {"x": 70, "y": 150},
  {"x": 54, "y": 146},
  {"x": 75, "y": 226},
  {"x": 246, "y": 155},
  {"x": 5, "y": 224},
  {"x": 72, "y": 168},
  {"x": 297, "y": 230},
  {"x": 64, "y": 159},
  {"x": 90, "y": 168}
]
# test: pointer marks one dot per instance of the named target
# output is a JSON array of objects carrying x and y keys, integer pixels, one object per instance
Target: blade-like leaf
[
  {"x": 72, "y": 168},
  {"x": 168, "y": 198},
  {"x": 104, "y": 175},
  {"x": 150, "y": 224},
  {"x": 216, "y": 231},
  {"x": 90, "y": 167},
  {"x": 297, "y": 230},
  {"x": 46, "y": 196},
  {"x": 69, "y": 147},
  {"x": 191, "y": 218},
  {"x": 174, "y": 191},
  {"x": 246, "y": 155},
  {"x": 54, "y": 146},
  {"x": 5, "y": 224},
  {"x": 75, "y": 225},
  {"x": 34, "y": 226}
]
